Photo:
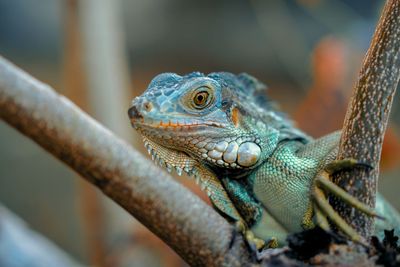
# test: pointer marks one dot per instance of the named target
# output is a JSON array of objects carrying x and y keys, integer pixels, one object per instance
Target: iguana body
[{"x": 257, "y": 169}]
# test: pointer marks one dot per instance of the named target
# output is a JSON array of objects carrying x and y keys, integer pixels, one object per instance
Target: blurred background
[{"x": 102, "y": 53}]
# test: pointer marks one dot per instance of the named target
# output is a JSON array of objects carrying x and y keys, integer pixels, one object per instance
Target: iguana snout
[{"x": 134, "y": 115}]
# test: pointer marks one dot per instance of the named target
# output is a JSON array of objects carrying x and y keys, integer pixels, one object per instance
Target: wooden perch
[
  {"x": 168, "y": 209},
  {"x": 367, "y": 117}
]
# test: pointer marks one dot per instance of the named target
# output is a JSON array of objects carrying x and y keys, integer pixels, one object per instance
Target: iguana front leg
[
  {"x": 251, "y": 210},
  {"x": 222, "y": 202}
]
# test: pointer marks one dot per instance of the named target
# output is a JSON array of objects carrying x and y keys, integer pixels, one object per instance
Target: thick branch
[
  {"x": 367, "y": 116},
  {"x": 183, "y": 221}
]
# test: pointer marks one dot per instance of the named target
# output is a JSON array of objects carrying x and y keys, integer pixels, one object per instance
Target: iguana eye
[{"x": 202, "y": 97}]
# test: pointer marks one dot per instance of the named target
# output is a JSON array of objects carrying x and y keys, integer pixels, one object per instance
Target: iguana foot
[
  {"x": 272, "y": 243},
  {"x": 253, "y": 242},
  {"x": 323, "y": 210}
]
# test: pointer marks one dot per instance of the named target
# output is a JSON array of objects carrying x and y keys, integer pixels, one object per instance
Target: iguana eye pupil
[{"x": 200, "y": 99}]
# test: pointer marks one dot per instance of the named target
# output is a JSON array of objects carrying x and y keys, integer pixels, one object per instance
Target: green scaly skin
[{"x": 258, "y": 170}]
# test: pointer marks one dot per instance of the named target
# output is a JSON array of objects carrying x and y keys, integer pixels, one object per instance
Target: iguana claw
[
  {"x": 348, "y": 163},
  {"x": 254, "y": 242},
  {"x": 323, "y": 209}
]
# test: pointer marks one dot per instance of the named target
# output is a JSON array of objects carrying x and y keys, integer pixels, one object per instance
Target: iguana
[{"x": 258, "y": 170}]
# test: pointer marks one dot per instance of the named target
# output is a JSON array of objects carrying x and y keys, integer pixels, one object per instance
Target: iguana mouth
[
  {"x": 139, "y": 119},
  {"x": 163, "y": 124},
  {"x": 174, "y": 125}
]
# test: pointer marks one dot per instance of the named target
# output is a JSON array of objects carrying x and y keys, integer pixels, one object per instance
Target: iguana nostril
[{"x": 148, "y": 106}]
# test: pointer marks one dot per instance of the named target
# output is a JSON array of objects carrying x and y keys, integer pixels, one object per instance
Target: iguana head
[{"x": 214, "y": 119}]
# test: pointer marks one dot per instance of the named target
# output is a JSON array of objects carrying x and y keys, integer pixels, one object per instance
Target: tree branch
[
  {"x": 367, "y": 116},
  {"x": 195, "y": 231}
]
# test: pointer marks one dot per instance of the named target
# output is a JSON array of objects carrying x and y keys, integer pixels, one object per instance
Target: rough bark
[
  {"x": 168, "y": 209},
  {"x": 367, "y": 117}
]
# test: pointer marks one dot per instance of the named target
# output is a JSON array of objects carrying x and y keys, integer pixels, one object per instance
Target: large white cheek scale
[{"x": 248, "y": 154}]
